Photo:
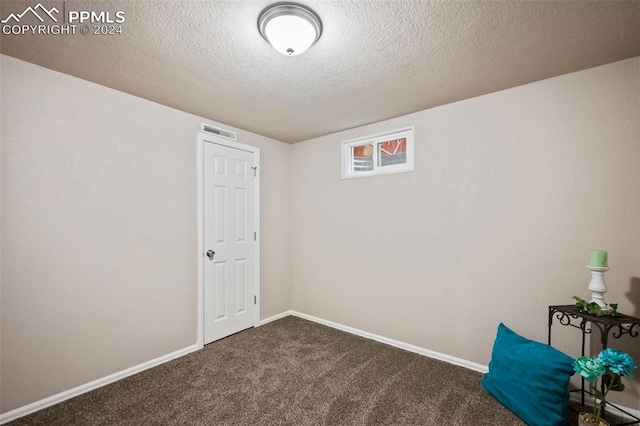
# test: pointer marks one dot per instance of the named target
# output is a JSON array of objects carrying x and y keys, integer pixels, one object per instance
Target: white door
[{"x": 229, "y": 241}]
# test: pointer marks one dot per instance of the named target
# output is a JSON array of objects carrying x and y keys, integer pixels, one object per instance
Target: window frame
[{"x": 347, "y": 146}]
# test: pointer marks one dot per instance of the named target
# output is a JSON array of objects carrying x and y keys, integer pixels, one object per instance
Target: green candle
[{"x": 598, "y": 258}]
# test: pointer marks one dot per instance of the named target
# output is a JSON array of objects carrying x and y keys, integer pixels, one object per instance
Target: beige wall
[
  {"x": 510, "y": 192},
  {"x": 99, "y": 231}
]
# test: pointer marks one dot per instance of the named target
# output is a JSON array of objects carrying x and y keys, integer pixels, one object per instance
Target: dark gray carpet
[{"x": 288, "y": 372}]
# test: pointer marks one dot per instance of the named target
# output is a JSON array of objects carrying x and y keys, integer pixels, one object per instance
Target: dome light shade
[{"x": 290, "y": 28}]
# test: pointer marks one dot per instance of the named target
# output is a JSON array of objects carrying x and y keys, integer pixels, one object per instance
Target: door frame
[{"x": 201, "y": 140}]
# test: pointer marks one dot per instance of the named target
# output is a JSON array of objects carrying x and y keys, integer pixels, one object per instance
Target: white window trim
[{"x": 346, "y": 153}]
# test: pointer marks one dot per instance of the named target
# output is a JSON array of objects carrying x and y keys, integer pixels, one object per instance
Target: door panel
[
  {"x": 229, "y": 218},
  {"x": 241, "y": 286}
]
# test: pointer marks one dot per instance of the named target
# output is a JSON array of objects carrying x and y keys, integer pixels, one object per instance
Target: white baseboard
[
  {"x": 618, "y": 410},
  {"x": 406, "y": 346},
  {"x": 274, "y": 318},
  {"x": 38, "y": 405},
  {"x": 79, "y": 390}
]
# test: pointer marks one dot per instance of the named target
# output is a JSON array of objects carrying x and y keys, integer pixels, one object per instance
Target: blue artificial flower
[
  {"x": 589, "y": 368},
  {"x": 618, "y": 362}
]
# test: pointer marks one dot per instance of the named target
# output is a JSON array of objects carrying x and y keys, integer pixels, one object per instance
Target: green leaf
[
  {"x": 613, "y": 382},
  {"x": 593, "y": 308}
]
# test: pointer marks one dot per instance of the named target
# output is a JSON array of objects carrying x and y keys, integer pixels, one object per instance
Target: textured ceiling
[{"x": 375, "y": 60}]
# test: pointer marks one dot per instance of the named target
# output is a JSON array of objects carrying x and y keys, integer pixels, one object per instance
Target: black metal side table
[{"x": 616, "y": 326}]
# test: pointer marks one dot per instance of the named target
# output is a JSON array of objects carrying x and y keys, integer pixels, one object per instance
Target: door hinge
[
  {"x": 255, "y": 299},
  {"x": 255, "y": 236},
  {"x": 254, "y": 170}
]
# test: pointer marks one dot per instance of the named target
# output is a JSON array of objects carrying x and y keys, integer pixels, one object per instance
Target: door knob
[{"x": 210, "y": 254}]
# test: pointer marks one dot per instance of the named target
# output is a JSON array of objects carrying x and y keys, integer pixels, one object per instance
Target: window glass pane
[
  {"x": 379, "y": 154},
  {"x": 362, "y": 157},
  {"x": 392, "y": 152}
]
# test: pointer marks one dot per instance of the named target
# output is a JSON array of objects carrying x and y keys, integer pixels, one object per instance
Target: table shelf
[{"x": 618, "y": 326}]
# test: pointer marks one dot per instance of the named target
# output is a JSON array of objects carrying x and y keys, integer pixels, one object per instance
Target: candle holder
[{"x": 597, "y": 286}]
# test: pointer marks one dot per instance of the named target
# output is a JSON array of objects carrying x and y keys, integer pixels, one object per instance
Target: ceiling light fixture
[{"x": 290, "y": 28}]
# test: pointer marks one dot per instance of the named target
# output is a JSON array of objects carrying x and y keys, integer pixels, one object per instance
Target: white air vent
[{"x": 219, "y": 132}]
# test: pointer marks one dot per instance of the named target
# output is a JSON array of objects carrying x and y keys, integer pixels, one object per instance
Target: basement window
[{"x": 380, "y": 154}]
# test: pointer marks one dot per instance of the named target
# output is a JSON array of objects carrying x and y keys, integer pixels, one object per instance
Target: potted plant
[{"x": 611, "y": 365}]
